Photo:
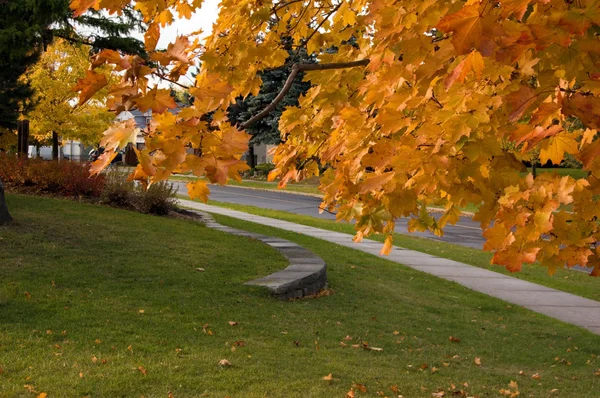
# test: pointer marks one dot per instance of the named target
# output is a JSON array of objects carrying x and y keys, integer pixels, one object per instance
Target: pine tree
[{"x": 266, "y": 130}]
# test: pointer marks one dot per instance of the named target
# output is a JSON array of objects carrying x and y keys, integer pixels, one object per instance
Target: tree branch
[
  {"x": 163, "y": 77},
  {"x": 297, "y": 68}
]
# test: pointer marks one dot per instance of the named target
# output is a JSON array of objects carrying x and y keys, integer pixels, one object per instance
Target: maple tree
[
  {"x": 53, "y": 78},
  {"x": 423, "y": 102}
]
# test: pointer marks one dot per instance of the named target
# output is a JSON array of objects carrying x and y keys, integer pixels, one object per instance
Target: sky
[{"x": 202, "y": 19}]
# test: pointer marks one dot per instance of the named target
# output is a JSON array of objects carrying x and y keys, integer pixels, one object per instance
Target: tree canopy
[
  {"x": 432, "y": 103},
  {"x": 53, "y": 78}
]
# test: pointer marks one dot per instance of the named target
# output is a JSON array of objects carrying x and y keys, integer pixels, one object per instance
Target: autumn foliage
[{"x": 413, "y": 103}]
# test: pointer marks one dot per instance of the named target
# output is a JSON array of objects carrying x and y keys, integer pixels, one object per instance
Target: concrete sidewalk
[{"x": 544, "y": 300}]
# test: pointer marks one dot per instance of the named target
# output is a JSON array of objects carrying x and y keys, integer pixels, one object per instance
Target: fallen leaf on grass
[
  {"x": 536, "y": 376},
  {"x": 366, "y": 346},
  {"x": 454, "y": 339},
  {"x": 224, "y": 363},
  {"x": 350, "y": 394},
  {"x": 439, "y": 394},
  {"x": 233, "y": 323},
  {"x": 553, "y": 390},
  {"x": 30, "y": 388},
  {"x": 42, "y": 395},
  {"x": 130, "y": 348},
  {"x": 94, "y": 359},
  {"x": 200, "y": 269},
  {"x": 360, "y": 387},
  {"x": 141, "y": 311},
  {"x": 142, "y": 370},
  {"x": 329, "y": 377},
  {"x": 477, "y": 361},
  {"x": 205, "y": 329}
]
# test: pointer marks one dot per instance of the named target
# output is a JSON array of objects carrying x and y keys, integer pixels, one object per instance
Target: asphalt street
[{"x": 466, "y": 232}]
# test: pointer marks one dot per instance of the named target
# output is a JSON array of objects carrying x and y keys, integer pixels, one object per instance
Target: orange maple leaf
[
  {"x": 472, "y": 63},
  {"x": 519, "y": 101},
  {"x": 467, "y": 28},
  {"x": 586, "y": 108},
  {"x": 151, "y": 36},
  {"x": 157, "y": 100},
  {"x": 90, "y": 85},
  {"x": 79, "y": 7},
  {"x": 102, "y": 161}
]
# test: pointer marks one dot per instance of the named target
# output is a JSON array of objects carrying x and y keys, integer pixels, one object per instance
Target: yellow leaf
[
  {"x": 477, "y": 361},
  {"x": 554, "y": 149},
  {"x": 387, "y": 246},
  {"x": 198, "y": 190},
  {"x": 329, "y": 377},
  {"x": 157, "y": 100}
]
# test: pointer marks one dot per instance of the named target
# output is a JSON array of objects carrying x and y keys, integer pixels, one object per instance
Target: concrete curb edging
[{"x": 306, "y": 275}]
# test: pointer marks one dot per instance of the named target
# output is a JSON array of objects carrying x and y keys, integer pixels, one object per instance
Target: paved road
[{"x": 465, "y": 232}]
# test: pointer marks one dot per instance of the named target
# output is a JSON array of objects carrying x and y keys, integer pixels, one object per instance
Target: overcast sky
[{"x": 200, "y": 20}]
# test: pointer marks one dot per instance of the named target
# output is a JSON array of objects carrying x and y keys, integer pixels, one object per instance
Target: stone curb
[{"x": 306, "y": 275}]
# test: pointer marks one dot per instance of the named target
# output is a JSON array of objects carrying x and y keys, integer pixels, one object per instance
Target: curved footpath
[
  {"x": 556, "y": 304},
  {"x": 306, "y": 275}
]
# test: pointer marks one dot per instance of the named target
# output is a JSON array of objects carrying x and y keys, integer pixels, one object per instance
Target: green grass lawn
[
  {"x": 571, "y": 281},
  {"x": 102, "y": 302}
]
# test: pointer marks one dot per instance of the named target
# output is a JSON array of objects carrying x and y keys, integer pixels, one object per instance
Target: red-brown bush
[{"x": 40, "y": 176}]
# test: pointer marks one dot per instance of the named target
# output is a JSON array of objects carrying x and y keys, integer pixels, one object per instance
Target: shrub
[
  {"x": 117, "y": 190},
  {"x": 41, "y": 176},
  {"x": 158, "y": 199},
  {"x": 263, "y": 169}
]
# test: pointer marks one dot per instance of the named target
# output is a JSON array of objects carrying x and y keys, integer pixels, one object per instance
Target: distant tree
[
  {"x": 53, "y": 78},
  {"x": 266, "y": 130},
  {"x": 27, "y": 28}
]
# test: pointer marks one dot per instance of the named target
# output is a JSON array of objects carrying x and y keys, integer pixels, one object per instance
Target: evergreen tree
[{"x": 266, "y": 130}]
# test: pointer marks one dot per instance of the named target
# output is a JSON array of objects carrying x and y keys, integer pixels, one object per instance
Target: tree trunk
[
  {"x": 54, "y": 146},
  {"x": 5, "y": 217}
]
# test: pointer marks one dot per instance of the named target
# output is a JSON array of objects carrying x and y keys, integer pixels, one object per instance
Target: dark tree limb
[
  {"x": 5, "y": 217},
  {"x": 297, "y": 68}
]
